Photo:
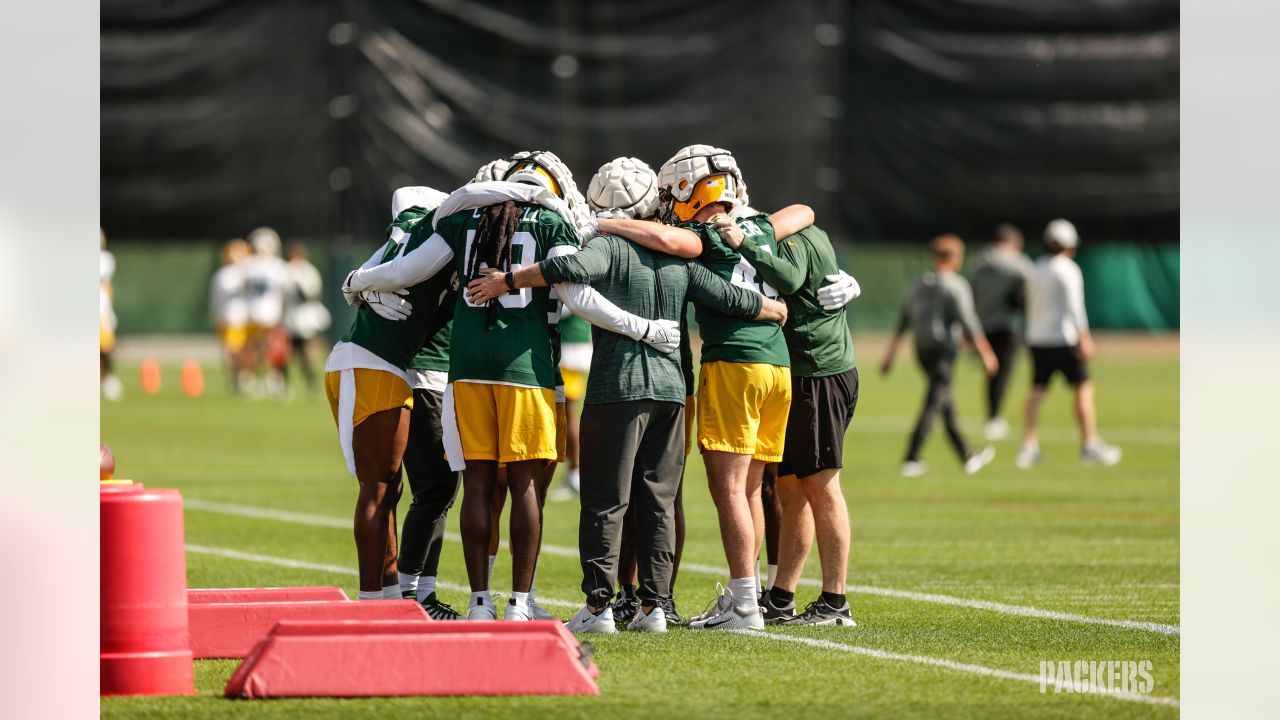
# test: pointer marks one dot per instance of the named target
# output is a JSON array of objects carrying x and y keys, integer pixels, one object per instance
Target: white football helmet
[
  {"x": 698, "y": 175},
  {"x": 545, "y": 169},
  {"x": 415, "y": 196},
  {"x": 626, "y": 184},
  {"x": 265, "y": 241},
  {"x": 492, "y": 170}
]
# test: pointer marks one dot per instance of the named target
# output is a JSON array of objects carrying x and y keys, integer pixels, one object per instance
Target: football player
[
  {"x": 230, "y": 309},
  {"x": 265, "y": 277}
]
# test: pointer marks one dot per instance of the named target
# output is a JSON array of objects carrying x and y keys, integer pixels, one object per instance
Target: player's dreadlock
[{"x": 491, "y": 245}]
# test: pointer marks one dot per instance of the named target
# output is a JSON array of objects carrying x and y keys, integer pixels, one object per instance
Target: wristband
[{"x": 511, "y": 280}]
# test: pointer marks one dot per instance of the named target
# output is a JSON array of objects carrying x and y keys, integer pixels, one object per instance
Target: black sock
[
  {"x": 780, "y": 597},
  {"x": 835, "y": 600},
  {"x": 628, "y": 591}
]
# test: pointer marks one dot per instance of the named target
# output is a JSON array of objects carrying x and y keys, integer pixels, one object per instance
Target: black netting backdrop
[{"x": 894, "y": 118}]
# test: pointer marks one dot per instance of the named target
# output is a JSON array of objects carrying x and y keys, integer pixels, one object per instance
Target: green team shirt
[
  {"x": 434, "y": 354},
  {"x": 729, "y": 338},
  {"x": 652, "y": 285},
  {"x": 817, "y": 339},
  {"x": 574, "y": 329},
  {"x": 398, "y": 341},
  {"x": 519, "y": 347}
]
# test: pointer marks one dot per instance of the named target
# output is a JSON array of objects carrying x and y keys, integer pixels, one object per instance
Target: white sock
[
  {"x": 773, "y": 575},
  {"x": 489, "y": 577},
  {"x": 572, "y": 479},
  {"x": 370, "y": 595},
  {"x": 533, "y": 581},
  {"x": 744, "y": 590},
  {"x": 520, "y": 600},
  {"x": 408, "y": 584},
  {"x": 391, "y": 592},
  {"x": 478, "y": 599},
  {"x": 426, "y": 586}
]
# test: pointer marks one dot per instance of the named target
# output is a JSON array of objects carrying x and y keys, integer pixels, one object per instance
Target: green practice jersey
[
  {"x": 398, "y": 341},
  {"x": 817, "y": 339},
  {"x": 729, "y": 338},
  {"x": 652, "y": 285},
  {"x": 434, "y": 354},
  {"x": 518, "y": 347}
]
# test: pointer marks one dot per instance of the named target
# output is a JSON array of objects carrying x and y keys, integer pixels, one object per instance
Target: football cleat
[
  {"x": 654, "y": 621},
  {"x": 586, "y": 621},
  {"x": 979, "y": 459},
  {"x": 438, "y": 610},
  {"x": 1100, "y": 453},
  {"x": 914, "y": 468},
  {"x": 774, "y": 614},
  {"x": 1028, "y": 455},
  {"x": 626, "y": 186},
  {"x": 736, "y": 617},
  {"x": 996, "y": 429},
  {"x": 482, "y": 612},
  {"x": 625, "y": 606},
  {"x": 668, "y": 605},
  {"x": 516, "y": 612},
  {"x": 722, "y": 602},
  {"x": 820, "y": 613},
  {"x": 698, "y": 175}
]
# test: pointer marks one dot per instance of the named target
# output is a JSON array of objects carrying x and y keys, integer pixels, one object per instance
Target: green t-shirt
[
  {"x": 651, "y": 285},
  {"x": 434, "y": 354},
  {"x": 398, "y": 341},
  {"x": 729, "y": 338},
  {"x": 518, "y": 347},
  {"x": 574, "y": 329},
  {"x": 817, "y": 339}
]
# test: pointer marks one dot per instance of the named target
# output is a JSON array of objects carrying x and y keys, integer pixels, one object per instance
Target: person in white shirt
[
  {"x": 229, "y": 309},
  {"x": 305, "y": 315},
  {"x": 112, "y": 388},
  {"x": 265, "y": 274},
  {"x": 1059, "y": 339}
]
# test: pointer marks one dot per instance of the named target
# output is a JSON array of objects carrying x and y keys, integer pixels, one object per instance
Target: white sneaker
[
  {"x": 586, "y": 621},
  {"x": 537, "y": 612},
  {"x": 723, "y": 601},
  {"x": 996, "y": 429},
  {"x": 979, "y": 460},
  {"x": 519, "y": 613},
  {"x": 655, "y": 621},
  {"x": 914, "y": 468},
  {"x": 737, "y": 617},
  {"x": 495, "y": 598},
  {"x": 112, "y": 388},
  {"x": 1100, "y": 453},
  {"x": 482, "y": 612},
  {"x": 1028, "y": 455}
]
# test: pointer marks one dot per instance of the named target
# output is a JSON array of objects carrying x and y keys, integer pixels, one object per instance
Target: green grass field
[{"x": 961, "y": 585}]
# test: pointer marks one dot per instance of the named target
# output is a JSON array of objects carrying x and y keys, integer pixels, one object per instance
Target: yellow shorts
[
  {"x": 562, "y": 431},
  {"x": 376, "y": 390},
  {"x": 106, "y": 339},
  {"x": 253, "y": 331},
  {"x": 575, "y": 384},
  {"x": 505, "y": 423},
  {"x": 234, "y": 337},
  {"x": 743, "y": 408}
]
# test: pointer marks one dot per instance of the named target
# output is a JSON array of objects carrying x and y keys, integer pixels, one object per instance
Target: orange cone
[
  {"x": 192, "y": 379},
  {"x": 150, "y": 376}
]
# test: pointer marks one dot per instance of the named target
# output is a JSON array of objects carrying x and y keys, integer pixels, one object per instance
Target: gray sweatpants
[{"x": 630, "y": 453}]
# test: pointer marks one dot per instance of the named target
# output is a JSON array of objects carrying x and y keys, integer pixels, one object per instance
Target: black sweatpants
[
  {"x": 632, "y": 455},
  {"x": 938, "y": 400},
  {"x": 433, "y": 484},
  {"x": 1004, "y": 343}
]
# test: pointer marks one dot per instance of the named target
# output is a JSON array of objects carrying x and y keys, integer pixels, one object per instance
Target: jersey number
[
  {"x": 744, "y": 276},
  {"x": 523, "y": 247}
]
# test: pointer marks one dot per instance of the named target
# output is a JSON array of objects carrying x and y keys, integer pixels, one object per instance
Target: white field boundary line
[
  {"x": 778, "y": 637},
  {"x": 958, "y": 666},
  {"x": 260, "y": 513},
  {"x": 901, "y": 424},
  {"x": 335, "y": 569}
]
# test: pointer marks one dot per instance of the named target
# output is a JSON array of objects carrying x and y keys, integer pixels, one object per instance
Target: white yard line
[
  {"x": 951, "y": 665},
  {"x": 777, "y": 637},
  {"x": 260, "y": 513},
  {"x": 901, "y": 424}
]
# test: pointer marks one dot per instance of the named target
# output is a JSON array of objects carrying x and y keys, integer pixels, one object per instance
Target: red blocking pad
[
  {"x": 197, "y": 596},
  {"x": 395, "y": 658},
  {"x": 230, "y": 630}
]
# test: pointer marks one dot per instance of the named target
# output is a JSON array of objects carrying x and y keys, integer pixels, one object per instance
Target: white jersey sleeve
[{"x": 405, "y": 269}]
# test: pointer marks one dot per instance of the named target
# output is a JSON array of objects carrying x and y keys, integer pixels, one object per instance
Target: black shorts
[
  {"x": 1065, "y": 359},
  {"x": 821, "y": 410}
]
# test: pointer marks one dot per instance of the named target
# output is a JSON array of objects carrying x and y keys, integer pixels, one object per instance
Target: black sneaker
[
  {"x": 439, "y": 610},
  {"x": 819, "y": 612},
  {"x": 776, "y": 614},
  {"x": 625, "y": 607},
  {"x": 668, "y": 606}
]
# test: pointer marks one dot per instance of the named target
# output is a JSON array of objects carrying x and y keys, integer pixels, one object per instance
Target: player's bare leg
[
  {"x": 391, "y": 567},
  {"x": 498, "y": 502},
  {"x": 772, "y": 520},
  {"x": 476, "y": 520},
  {"x": 523, "y": 479},
  {"x": 830, "y": 517},
  {"x": 378, "y": 444},
  {"x": 755, "y": 499},
  {"x": 1086, "y": 416},
  {"x": 1029, "y": 453},
  {"x": 795, "y": 535}
]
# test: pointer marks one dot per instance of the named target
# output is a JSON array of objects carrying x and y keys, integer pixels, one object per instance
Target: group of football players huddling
[{"x": 451, "y": 369}]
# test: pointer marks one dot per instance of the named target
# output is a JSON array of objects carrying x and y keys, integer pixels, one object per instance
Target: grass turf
[{"x": 1100, "y": 542}]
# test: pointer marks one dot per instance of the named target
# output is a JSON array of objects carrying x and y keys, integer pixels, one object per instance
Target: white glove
[
  {"x": 388, "y": 305},
  {"x": 589, "y": 230},
  {"x": 663, "y": 336},
  {"x": 842, "y": 290},
  {"x": 351, "y": 296}
]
